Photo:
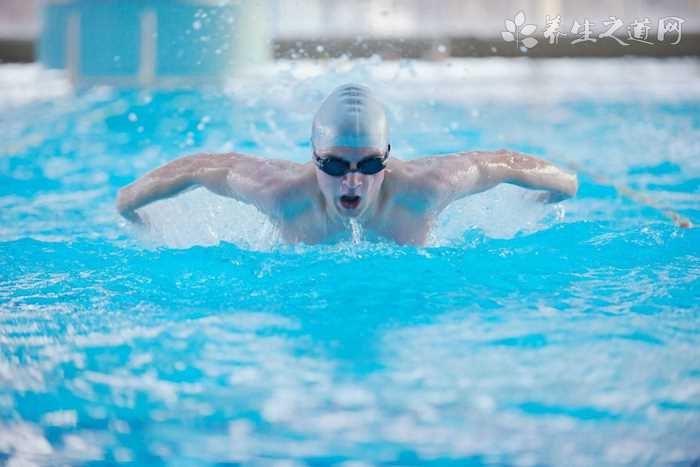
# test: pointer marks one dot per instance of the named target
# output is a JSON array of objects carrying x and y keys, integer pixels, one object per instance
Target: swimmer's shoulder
[
  {"x": 285, "y": 184},
  {"x": 407, "y": 184},
  {"x": 408, "y": 173},
  {"x": 230, "y": 159}
]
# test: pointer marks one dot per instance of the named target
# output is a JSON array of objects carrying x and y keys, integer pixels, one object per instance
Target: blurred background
[{"x": 145, "y": 42}]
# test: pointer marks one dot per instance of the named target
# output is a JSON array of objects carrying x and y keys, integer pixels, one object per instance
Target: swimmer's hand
[
  {"x": 134, "y": 217},
  {"x": 551, "y": 197},
  {"x": 567, "y": 187},
  {"x": 124, "y": 209}
]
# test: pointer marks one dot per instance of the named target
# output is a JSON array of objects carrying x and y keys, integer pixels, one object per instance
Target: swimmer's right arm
[{"x": 248, "y": 179}]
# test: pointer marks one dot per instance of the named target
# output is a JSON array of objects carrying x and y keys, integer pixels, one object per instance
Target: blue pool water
[{"x": 523, "y": 334}]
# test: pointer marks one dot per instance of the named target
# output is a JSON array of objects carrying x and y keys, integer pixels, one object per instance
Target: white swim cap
[{"x": 350, "y": 116}]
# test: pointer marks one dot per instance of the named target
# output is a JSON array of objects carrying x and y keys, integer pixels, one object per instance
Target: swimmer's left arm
[{"x": 457, "y": 175}]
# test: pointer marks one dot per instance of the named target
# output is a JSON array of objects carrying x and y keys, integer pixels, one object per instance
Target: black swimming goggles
[{"x": 337, "y": 167}]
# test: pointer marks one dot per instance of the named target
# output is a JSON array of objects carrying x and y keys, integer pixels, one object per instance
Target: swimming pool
[{"x": 524, "y": 334}]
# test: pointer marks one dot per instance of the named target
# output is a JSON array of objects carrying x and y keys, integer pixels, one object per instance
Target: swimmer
[{"x": 352, "y": 176}]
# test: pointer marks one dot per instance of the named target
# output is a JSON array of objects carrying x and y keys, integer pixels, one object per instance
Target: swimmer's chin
[{"x": 345, "y": 212}]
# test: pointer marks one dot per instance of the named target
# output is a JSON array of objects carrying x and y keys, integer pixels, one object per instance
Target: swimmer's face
[{"x": 350, "y": 195}]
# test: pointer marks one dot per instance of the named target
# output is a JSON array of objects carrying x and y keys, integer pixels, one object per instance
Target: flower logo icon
[{"x": 519, "y": 32}]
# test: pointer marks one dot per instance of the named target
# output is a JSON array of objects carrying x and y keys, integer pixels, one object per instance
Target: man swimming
[{"x": 351, "y": 177}]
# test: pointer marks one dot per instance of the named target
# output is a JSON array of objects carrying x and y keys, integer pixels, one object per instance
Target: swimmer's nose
[{"x": 353, "y": 180}]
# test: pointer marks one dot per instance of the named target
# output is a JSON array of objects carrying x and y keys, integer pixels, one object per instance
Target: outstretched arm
[
  {"x": 248, "y": 179},
  {"x": 457, "y": 175}
]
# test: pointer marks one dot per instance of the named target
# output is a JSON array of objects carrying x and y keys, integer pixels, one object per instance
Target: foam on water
[{"x": 501, "y": 213}]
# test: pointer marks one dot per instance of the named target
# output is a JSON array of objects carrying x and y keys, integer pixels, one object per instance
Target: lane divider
[{"x": 636, "y": 196}]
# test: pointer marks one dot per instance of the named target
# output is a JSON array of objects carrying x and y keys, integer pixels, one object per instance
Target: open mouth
[{"x": 349, "y": 202}]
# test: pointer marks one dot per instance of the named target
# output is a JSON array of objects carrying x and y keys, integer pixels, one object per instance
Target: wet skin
[{"x": 307, "y": 205}]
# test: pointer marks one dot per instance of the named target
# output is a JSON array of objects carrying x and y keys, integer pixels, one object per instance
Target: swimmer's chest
[
  {"x": 305, "y": 224},
  {"x": 396, "y": 222}
]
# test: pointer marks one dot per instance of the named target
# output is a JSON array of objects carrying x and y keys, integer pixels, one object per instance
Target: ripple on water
[{"x": 522, "y": 334}]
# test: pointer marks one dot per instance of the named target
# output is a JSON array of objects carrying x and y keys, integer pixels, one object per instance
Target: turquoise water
[{"x": 522, "y": 335}]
